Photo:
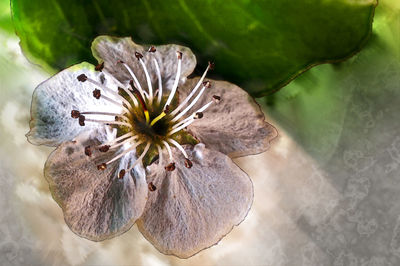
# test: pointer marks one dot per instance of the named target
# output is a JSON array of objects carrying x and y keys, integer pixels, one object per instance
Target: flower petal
[
  {"x": 192, "y": 209},
  {"x": 97, "y": 204},
  {"x": 235, "y": 126},
  {"x": 54, "y": 99},
  {"x": 111, "y": 49}
]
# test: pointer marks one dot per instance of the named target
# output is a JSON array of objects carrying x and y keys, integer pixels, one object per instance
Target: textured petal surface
[
  {"x": 54, "y": 99},
  {"x": 192, "y": 209},
  {"x": 96, "y": 204},
  {"x": 110, "y": 49},
  {"x": 235, "y": 126}
]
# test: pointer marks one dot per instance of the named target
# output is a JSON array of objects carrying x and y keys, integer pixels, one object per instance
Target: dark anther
[
  {"x": 120, "y": 61},
  {"x": 166, "y": 110},
  {"x": 152, "y": 187},
  {"x": 188, "y": 163},
  {"x": 102, "y": 79},
  {"x": 211, "y": 65},
  {"x": 179, "y": 54},
  {"x": 216, "y": 98},
  {"x": 116, "y": 118},
  {"x": 102, "y": 166},
  {"x": 207, "y": 84},
  {"x": 96, "y": 93},
  {"x": 138, "y": 55},
  {"x": 152, "y": 49},
  {"x": 88, "y": 151},
  {"x": 82, "y": 77},
  {"x": 104, "y": 148},
  {"x": 198, "y": 115},
  {"x": 170, "y": 167},
  {"x": 99, "y": 67},
  {"x": 75, "y": 114},
  {"x": 121, "y": 173},
  {"x": 81, "y": 120}
]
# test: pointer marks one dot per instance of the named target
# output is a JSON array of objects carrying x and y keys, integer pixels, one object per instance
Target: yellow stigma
[
  {"x": 146, "y": 114},
  {"x": 157, "y": 118}
]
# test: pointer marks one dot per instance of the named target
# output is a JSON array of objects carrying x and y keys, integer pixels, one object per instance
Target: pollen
[
  {"x": 152, "y": 187},
  {"x": 88, "y": 151}
]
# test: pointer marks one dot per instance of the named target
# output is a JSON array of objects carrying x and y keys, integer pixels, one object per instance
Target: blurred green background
[{"x": 259, "y": 45}]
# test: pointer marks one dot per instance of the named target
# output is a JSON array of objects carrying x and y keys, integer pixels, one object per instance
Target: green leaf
[
  {"x": 5, "y": 16},
  {"x": 335, "y": 107},
  {"x": 260, "y": 45}
]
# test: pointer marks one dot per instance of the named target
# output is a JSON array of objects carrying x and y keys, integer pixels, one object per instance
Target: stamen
[
  {"x": 216, "y": 98},
  {"x": 125, "y": 152},
  {"x": 135, "y": 102},
  {"x": 142, "y": 103},
  {"x": 107, "y": 122},
  {"x": 82, "y": 77},
  {"x": 108, "y": 74},
  {"x": 175, "y": 86},
  {"x": 152, "y": 187},
  {"x": 99, "y": 67},
  {"x": 102, "y": 79},
  {"x": 122, "y": 118},
  {"x": 123, "y": 142},
  {"x": 104, "y": 148},
  {"x": 105, "y": 88},
  {"x": 138, "y": 55},
  {"x": 111, "y": 142},
  {"x": 188, "y": 163},
  {"x": 88, "y": 151},
  {"x": 160, "y": 89},
  {"x": 133, "y": 76},
  {"x": 152, "y": 49},
  {"x": 102, "y": 166},
  {"x": 198, "y": 115},
  {"x": 182, "y": 126},
  {"x": 176, "y": 144},
  {"x": 82, "y": 120},
  {"x": 168, "y": 149},
  {"x": 170, "y": 167},
  {"x": 97, "y": 94},
  {"x": 75, "y": 114},
  {"x": 147, "y": 78},
  {"x": 160, "y": 156},
  {"x": 146, "y": 94},
  {"x": 139, "y": 160},
  {"x": 98, "y": 113},
  {"x": 121, "y": 86},
  {"x": 205, "y": 85},
  {"x": 193, "y": 115},
  {"x": 192, "y": 92},
  {"x": 121, "y": 173}
]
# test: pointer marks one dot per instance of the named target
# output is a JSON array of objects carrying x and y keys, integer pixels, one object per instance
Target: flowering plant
[{"x": 138, "y": 141}]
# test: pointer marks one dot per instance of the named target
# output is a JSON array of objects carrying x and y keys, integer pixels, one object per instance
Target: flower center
[{"x": 149, "y": 121}]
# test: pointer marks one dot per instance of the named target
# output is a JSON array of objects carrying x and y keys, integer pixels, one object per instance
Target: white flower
[{"x": 139, "y": 142}]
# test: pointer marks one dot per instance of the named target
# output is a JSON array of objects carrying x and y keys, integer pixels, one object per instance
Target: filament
[
  {"x": 176, "y": 81},
  {"x": 138, "y": 160},
  {"x": 191, "y": 93}
]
